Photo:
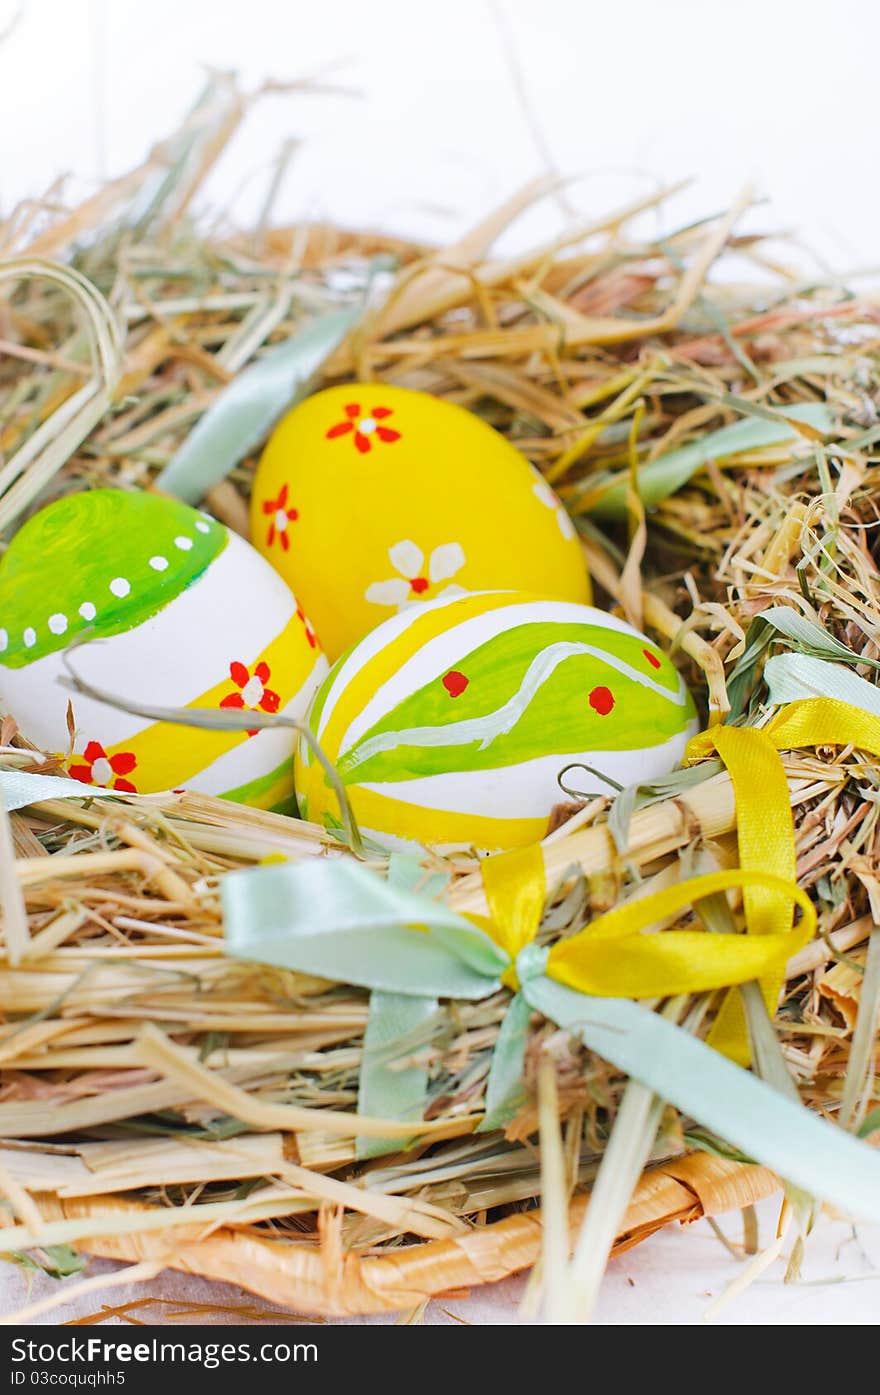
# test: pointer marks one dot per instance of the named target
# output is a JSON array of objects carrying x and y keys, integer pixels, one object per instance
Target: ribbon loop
[
  {"x": 515, "y": 890},
  {"x": 765, "y": 827},
  {"x": 346, "y": 918},
  {"x": 337, "y": 919}
]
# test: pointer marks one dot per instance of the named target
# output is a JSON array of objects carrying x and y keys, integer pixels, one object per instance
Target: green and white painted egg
[
  {"x": 450, "y": 723},
  {"x": 183, "y": 613}
]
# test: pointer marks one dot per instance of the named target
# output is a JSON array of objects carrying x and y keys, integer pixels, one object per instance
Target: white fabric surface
[{"x": 671, "y": 1279}]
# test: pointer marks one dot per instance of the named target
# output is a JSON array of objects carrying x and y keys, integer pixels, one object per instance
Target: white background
[
  {"x": 456, "y": 103},
  {"x": 453, "y": 105}
]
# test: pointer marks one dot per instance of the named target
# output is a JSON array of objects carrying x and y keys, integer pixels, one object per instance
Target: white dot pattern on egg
[
  {"x": 188, "y": 614},
  {"x": 450, "y": 724}
]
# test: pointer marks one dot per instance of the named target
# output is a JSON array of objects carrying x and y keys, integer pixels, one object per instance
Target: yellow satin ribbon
[
  {"x": 613, "y": 957},
  {"x": 811, "y": 722},
  {"x": 765, "y": 828},
  {"x": 516, "y": 890},
  {"x": 765, "y": 837}
]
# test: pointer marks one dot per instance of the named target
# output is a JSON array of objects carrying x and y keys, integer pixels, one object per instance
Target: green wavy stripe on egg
[
  {"x": 451, "y": 723},
  {"x": 521, "y": 683}
]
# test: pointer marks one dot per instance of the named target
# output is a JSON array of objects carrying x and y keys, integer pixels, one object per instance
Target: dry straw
[{"x": 169, "y": 1106}]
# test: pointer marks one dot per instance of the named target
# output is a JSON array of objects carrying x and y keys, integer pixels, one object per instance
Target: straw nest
[{"x": 164, "y": 1104}]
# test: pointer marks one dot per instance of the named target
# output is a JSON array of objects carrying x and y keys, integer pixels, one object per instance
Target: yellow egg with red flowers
[{"x": 369, "y": 499}]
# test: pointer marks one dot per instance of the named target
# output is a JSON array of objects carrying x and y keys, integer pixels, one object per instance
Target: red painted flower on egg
[
  {"x": 107, "y": 772},
  {"x": 308, "y": 627},
  {"x": 365, "y": 427},
  {"x": 282, "y": 517},
  {"x": 252, "y": 695}
]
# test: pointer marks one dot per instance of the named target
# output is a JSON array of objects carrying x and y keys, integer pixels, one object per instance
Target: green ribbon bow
[{"x": 336, "y": 919}]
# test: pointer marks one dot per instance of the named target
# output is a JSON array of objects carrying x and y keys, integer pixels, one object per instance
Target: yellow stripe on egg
[
  {"x": 396, "y": 648},
  {"x": 165, "y": 761},
  {"x": 443, "y": 827},
  {"x": 424, "y": 766}
]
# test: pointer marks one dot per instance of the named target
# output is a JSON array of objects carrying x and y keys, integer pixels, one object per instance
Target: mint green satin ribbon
[
  {"x": 245, "y": 411},
  {"x": 795, "y": 677},
  {"x": 387, "y": 1089},
  {"x": 19, "y": 789},
  {"x": 397, "y": 1023},
  {"x": 669, "y": 472},
  {"x": 337, "y": 919}
]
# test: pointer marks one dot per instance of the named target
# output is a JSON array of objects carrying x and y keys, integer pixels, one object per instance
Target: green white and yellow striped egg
[
  {"x": 183, "y": 613},
  {"x": 449, "y": 724}
]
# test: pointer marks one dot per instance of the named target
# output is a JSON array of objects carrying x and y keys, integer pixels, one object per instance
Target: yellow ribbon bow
[
  {"x": 765, "y": 829},
  {"x": 613, "y": 957}
]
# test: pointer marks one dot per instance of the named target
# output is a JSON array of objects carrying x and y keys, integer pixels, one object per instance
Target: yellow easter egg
[
  {"x": 369, "y": 499},
  {"x": 451, "y": 724},
  {"x": 186, "y": 613}
]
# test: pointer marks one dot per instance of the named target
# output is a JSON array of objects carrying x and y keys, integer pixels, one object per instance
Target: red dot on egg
[
  {"x": 455, "y": 683},
  {"x": 602, "y": 701},
  {"x": 652, "y": 658}
]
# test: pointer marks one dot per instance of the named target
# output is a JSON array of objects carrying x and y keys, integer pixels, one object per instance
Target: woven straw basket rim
[{"x": 321, "y": 1282}]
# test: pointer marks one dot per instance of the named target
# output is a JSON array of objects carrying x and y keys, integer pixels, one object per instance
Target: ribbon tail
[
  {"x": 729, "y": 1033},
  {"x": 765, "y": 834},
  {"x": 249, "y": 407},
  {"x": 798, "y": 1145},
  {"x": 505, "y": 1088},
  {"x": 19, "y": 788},
  {"x": 386, "y": 1089}
]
